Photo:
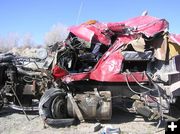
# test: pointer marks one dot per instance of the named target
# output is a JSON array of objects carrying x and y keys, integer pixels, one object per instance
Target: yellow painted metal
[{"x": 174, "y": 49}]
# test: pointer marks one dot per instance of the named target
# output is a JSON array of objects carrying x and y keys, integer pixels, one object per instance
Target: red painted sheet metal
[
  {"x": 147, "y": 25},
  {"x": 59, "y": 72},
  {"x": 82, "y": 32},
  {"x": 116, "y": 26},
  {"x": 108, "y": 70},
  {"x": 108, "y": 67},
  {"x": 88, "y": 31},
  {"x": 120, "y": 41},
  {"x": 76, "y": 77},
  {"x": 123, "y": 39},
  {"x": 175, "y": 38},
  {"x": 102, "y": 32},
  {"x": 121, "y": 77},
  {"x": 139, "y": 20},
  {"x": 105, "y": 69}
]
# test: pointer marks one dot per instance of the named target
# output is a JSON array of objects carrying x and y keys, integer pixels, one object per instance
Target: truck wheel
[
  {"x": 59, "y": 108},
  {"x": 52, "y": 108}
]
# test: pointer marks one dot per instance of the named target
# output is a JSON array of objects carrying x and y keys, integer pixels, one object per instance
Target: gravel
[{"x": 12, "y": 122}]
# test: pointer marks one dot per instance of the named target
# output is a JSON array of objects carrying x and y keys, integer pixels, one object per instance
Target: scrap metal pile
[{"x": 133, "y": 65}]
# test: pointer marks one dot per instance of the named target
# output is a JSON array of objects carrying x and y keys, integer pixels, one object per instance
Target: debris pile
[
  {"x": 135, "y": 62},
  {"x": 133, "y": 65}
]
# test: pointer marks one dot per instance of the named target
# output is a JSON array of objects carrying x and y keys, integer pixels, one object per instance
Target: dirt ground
[{"x": 12, "y": 122}]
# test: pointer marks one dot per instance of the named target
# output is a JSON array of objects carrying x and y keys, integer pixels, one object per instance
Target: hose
[
  {"x": 28, "y": 73},
  {"x": 30, "y": 79},
  {"x": 160, "y": 100},
  {"x": 156, "y": 87},
  {"x": 131, "y": 88},
  {"x": 137, "y": 81}
]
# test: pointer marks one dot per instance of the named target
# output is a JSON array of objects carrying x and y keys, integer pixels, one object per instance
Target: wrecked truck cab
[
  {"x": 133, "y": 71},
  {"x": 79, "y": 55},
  {"x": 132, "y": 65}
]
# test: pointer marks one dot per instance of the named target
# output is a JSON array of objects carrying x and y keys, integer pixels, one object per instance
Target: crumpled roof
[
  {"x": 102, "y": 32},
  {"x": 147, "y": 25}
]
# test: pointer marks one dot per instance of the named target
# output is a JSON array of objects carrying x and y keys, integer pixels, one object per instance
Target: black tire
[
  {"x": 52, "y": 108},
  {"x": 59, "y": 108}
]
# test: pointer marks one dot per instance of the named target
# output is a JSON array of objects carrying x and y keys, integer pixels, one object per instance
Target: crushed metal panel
[
  {"x": 173, "y": 77},
  {"x": 138, "y": 44},
  {"x": 175, "y": 38},
  {"x": 116, "y": 26},
  {"x": 105, "y": 69},
  {"x": 94, "y": 30},
  {"x": 160, "y": 47},
  {"x": 82, "y": 32},
  {"x": 133, "y": 56},
  {"x": 147, "y": 25},
  {"x": 174, "y": 49},
  {"x": 48, "y": 61},
  {"x": 175, "y": 89}
]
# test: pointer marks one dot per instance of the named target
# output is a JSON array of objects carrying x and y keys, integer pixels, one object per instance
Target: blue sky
[{"x": 38, "y": 16}]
